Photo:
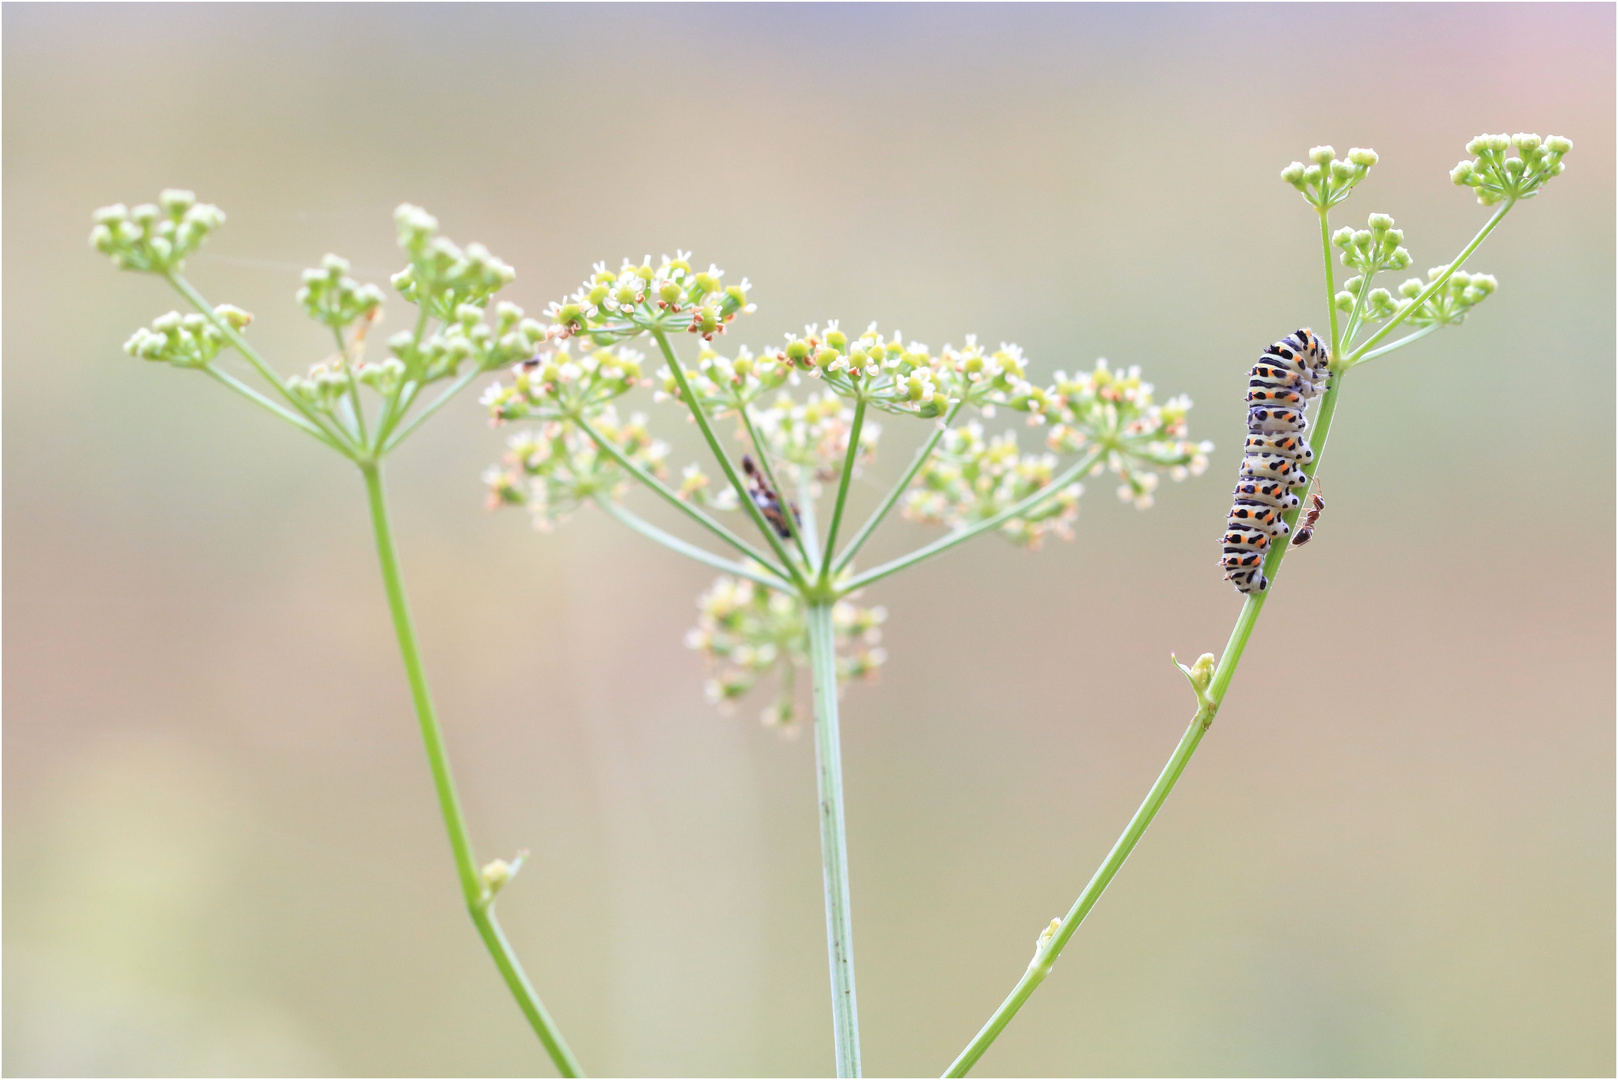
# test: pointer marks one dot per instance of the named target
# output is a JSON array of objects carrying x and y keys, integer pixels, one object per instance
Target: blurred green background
[{"x": 1394, "y": 854}]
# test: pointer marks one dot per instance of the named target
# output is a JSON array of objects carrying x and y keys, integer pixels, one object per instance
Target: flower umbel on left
[{"x": 363, "y": 409}]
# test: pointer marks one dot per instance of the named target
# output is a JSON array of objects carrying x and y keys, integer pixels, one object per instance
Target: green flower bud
[
  {"x": 1293, "y": 174},
  {"x": 1558, "y": 145},
  {"x": 1343, "y": 237},
  {"x": 1321, "y": 155},
  {"x": 1362, "y": 157},
  {"x": 1380, "y": 222}
]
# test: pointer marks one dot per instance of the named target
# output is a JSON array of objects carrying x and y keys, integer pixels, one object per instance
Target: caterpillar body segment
[{"x": 1279, "y": 387}]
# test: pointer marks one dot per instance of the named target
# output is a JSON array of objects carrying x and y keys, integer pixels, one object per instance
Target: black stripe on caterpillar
[{"x": 1288, "y": 374}]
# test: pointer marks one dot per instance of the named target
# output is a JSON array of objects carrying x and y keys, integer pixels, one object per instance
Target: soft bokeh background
[{"x": 1393, "y": 855}]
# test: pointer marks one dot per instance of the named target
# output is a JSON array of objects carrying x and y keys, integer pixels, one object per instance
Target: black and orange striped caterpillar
[{"x": 1290, "y": 372}]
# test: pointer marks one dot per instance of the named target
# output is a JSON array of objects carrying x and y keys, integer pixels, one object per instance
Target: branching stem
[{"x": 479, "y": 901}]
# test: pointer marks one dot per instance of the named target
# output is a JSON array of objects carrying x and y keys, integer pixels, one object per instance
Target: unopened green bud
[
  {"x": 1341, "y": 170},
  {"x": 1380, "y": 222},
  {"x": 1293, "y": 174},
  {"x": 1322, "y": 155},
  {"x": 1525, "y": 141},
  {"x": 1362, "y": 157},
  {"x": 1312, "y": 174},
  {"x": 1558, "y": 145},
  {"x": 1343, "y": 237}
]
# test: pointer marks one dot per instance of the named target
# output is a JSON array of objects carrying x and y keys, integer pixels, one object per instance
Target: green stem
[
  {"x": 893, "y": 496},
  {"x": 353, "y": 389},
  {"x": 691, "y": 551},
  {"x": 259, "y": 399},
  {"x": 392, "y": 411},
  {"x": 479, "y": 901},
  {"x": 611, "y": 450},
  {"x": 806, "y": 516},
  {"x": 1331, "y": 289},
  {"x": 944, "y": 543},
  {"x": 742, "y": 493},
  {"x": 1432, "y": 286},
  {"x": 1252, "y": 607},
  {"x": 1399, "y": 344},
  {"x": 842, "y": 490},
  {"x": 763, "y": 453},
  {"x": 239, "y": 343},
  {"x": 456, "y": 387},
  {"x": 833, "y": 845}
]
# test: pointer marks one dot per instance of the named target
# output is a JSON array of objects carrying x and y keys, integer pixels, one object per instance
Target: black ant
[
  {"x": 1306, "y": 527},
  {"x": 767, "y": 501}
]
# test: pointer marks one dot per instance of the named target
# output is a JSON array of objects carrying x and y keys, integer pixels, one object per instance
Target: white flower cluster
[
  {"x": 611, "y": 306},
  {"x": 971, "y": 478},
  {"x": 185, "y": 340},
  {"x": 560, "y": 384},
  {"x": 555, "y": 468},
  {"x": 154, "y": 238},
  {"x": 331, "y": 297},
  {"x": 1113, "y": 411},
  {"x": 441, "y": 276},
  {"x": 747, "y": 631}
]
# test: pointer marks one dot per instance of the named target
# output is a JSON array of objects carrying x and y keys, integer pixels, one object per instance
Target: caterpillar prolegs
[{"x": 1290, "y": 372}]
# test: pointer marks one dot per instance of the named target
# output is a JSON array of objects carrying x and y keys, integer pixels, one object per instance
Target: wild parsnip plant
[
  {"x": 803, "y": 416},
  {"x": 802, "y": 420},
  {"x": 1361, "y": 316},
  {"x": 362, "y": 409}
]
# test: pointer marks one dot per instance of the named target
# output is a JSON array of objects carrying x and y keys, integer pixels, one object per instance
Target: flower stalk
[{"x": 1324, "y": 185}]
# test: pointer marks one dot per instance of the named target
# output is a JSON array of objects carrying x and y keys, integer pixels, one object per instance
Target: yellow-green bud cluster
[
  {"x": 560, "y": 385},
  {"x": 970, "y": 478},
  {"x": 1328, "y": 180},
  {"x": 747, "y": 631},
  {"x": 639, "y": 298},
  {"x": 555, "y": 468},
  {"x": 1450, "y": 304},
  {"x": 467, "y": 339},
  {"x": 1496, "y": 177},
  {"x": 1114, "y": 411},
  {"x": 188, "y": 341},
  {"x": 331, "y": 297},
  {"x": 814, "y": 434},
  {"x": 441, "y": 276},
  {"x": 1377, "y": 247},
  {"x": 154, "y": 238},
  {"x": 987, "y": 379}
]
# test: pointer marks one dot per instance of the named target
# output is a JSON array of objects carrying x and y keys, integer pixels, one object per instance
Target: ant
[
  {"x": 767, "y": 501},
  {"x": 1306, "y": 528}
]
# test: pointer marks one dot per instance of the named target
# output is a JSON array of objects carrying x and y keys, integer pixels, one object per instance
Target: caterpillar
[{"x": 1279, "y": 387}]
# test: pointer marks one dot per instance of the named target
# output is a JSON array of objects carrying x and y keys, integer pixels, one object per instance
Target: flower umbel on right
[{"x": 1285, "y": 445}]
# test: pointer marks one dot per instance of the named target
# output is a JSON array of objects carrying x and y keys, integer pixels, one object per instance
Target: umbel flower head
[
  {"x": 154, "y": 238},
  {"x": 331, "y": 297},
  {"x": 972, "y": 478},
  {"x": 747, "y": 631},
  {"x": 1112, "y": 413},
  {"x": 442, "y": 277},
  {"x": 553, "y": 469},
  {"x": 1497, "y": 177},
  {"x": 638, "y": 298},
  {"x": 1328, "y": 180},
  {"x": 565, "y": 383},
  {"x": 185, "y": 340}
]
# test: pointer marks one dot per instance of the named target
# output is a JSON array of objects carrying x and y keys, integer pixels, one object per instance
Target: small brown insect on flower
[
  {"x": 768, "y": 502},
  {"x": 1306, "y": 527}
]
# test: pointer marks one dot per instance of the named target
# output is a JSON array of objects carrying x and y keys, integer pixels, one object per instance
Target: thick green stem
[
  {"x": 944, "y": 543},
  {"x": 833, "y": 845},
  {"x": 893, "y": 496},
  {"x": 742, "y": 492},
  {"x": 479, "y": 900},
  {"x": 842, "y": 490}
]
